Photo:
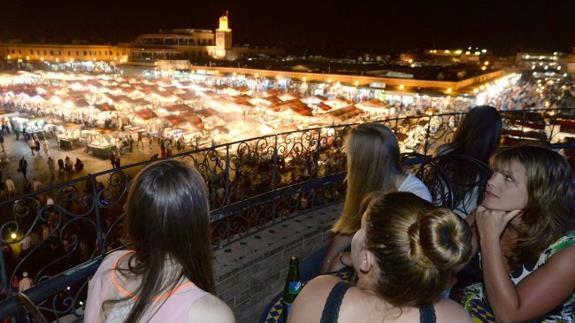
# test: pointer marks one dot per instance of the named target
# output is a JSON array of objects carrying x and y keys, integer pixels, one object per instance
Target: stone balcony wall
[{"x": 252, "y": 270}]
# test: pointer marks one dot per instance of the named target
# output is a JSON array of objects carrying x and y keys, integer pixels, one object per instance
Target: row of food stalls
[{"x": 85, "y": 109}]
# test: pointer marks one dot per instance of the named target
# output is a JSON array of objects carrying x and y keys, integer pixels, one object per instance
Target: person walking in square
[
  {"x": 10, "y": 186},
  {"x": 79, "y": 166},
  {"x": 23, "y": 166},
  {"x": 26, "y": 282},
  {"x": 61, "y": 166},
  {"x": 32, "y": 145},
  {"x": 36, "y": 144},
  {"x": 68, "y": 164},
  {"x": 36, "y": 185},
  {"x": 46, "y": 145},
  {"x": 51, "y": 166},
  {"x": 113, "y": 159}
]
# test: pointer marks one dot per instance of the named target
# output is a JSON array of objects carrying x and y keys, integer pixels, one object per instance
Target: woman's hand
[
  {"x": 337, "y": 245},
  {"x": 492, "y": 223},
  {"x": 343, "y": 260}
]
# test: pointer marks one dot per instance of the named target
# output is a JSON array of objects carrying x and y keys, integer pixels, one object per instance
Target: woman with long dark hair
[
  {"x": 464, "y": 161},
  {"x": 166, "y": 276},
  {"x": 477, "y": 136},
  {"x": 526, "y": 227}
]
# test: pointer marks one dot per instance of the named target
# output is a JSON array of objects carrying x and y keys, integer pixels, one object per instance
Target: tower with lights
[{"x": 223, "y": 37}]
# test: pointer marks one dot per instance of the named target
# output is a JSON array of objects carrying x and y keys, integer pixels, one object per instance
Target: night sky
[{"x": 331, "y": 26}]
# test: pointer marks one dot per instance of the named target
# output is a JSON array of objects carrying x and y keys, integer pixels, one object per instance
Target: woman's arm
[
  {"x": 338, "y": 243},
  {"x": 474, "y": 234},
  {"x": 535, "y": 295}
]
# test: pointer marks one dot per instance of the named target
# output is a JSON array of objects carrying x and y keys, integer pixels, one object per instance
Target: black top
[{"x": 330, "y": 313}]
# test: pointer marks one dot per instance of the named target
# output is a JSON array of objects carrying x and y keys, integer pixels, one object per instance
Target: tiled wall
[{"x": 251, "y": 271}]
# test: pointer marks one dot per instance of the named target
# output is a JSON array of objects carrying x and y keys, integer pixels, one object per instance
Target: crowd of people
[{"x": 531, "y": 93}]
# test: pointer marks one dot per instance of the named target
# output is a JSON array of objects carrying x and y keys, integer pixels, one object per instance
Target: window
[
  {"x": 51, "y": 52},
  {"x": 19, "y": 51},
  {"x": 85, "y": 53},
  {"x": 77, "y": 53}
]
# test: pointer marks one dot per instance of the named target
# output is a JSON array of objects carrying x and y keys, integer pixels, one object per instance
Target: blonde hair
[
  {"x": 372, "y": 165},
  {"x": 418, "y": 246}
]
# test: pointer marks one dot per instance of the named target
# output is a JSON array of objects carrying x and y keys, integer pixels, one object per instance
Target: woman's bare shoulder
[
  {"x": 310, "y": 302},
  {"x": 210, "y": 309},
  {"x": 450, "y": 311}
]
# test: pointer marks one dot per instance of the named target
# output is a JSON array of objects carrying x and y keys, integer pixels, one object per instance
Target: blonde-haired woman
[{"x": 372, "y": 165}]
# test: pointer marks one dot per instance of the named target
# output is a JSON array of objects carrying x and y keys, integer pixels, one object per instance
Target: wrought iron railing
[{"x": 252, "y": 184}]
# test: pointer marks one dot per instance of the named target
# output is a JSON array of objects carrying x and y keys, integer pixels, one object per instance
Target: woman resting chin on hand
[{"x": 526, "y": 233}]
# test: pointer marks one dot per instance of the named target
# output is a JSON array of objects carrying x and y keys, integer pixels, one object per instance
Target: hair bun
[{"x": 439, "y": 239}]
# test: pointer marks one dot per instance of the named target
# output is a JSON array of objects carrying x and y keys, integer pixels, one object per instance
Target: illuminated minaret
[{"x": 223, "y": 37}]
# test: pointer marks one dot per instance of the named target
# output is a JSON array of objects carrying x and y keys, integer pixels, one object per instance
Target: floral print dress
[{"x": 475, "y": 300}]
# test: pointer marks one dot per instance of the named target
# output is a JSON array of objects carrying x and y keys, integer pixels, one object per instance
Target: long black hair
[
  {"x": 479, "y": 133},
  {"x": 167, "y": 219}
]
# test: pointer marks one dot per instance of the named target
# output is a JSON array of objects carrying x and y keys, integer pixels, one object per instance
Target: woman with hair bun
[
  {"x": 526, "y": 227},
  {"x": 166, "y": 276},
  {"x": 405, "y": 254}
]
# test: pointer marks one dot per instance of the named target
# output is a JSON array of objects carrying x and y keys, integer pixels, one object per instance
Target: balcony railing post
[
  {"x": 315, "y": 174},
  {"x": 552, "y": 124},
  {"x": 274, "y": 175},
  {"x": 427, "y": 131},
  {"x": 275, "y": 163},
  {"x": 317, "y": 154},
  {"x": 523, "y": 118},
  {"x": 3, "y": 269},
  {"x": 227, "y": 183},
  {"x": 96, "y": 200}
]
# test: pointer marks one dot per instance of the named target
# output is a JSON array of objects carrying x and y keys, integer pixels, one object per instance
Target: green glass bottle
[{"x": 292, "y": 287}]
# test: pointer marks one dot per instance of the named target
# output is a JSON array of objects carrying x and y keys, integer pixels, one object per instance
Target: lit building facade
[
  {"x": 173, "y": 44},
  {"x": 543, "y": 64},
  {"x": 62, "y": 53},
  {"x": 190, "y": 44},
  {"x": 166, "y": 45},
  {"x": 471, "y": 55}
]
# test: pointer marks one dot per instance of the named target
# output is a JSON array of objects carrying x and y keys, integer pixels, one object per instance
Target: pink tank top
[{"x": 170, "y": 306}]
